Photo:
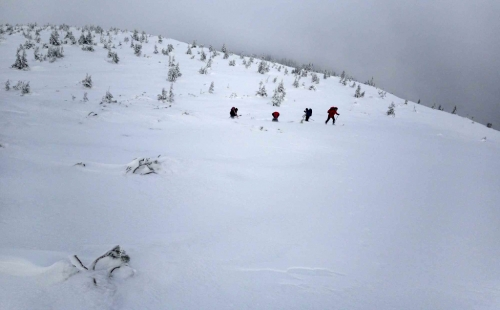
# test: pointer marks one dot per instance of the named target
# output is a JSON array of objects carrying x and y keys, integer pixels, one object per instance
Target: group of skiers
[{"x": 308, "y": 113}]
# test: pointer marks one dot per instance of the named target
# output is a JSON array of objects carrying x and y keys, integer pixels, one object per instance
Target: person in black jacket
[
  {"x": 309, "y": 113},
  {"x": 234, "y": 112}
]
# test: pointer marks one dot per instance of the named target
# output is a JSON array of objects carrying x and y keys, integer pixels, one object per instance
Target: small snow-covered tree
[
  {"x": 138, "y": 49},
  {"x": 232, "y": 63},
  {"x": 160, "y": 39},
  {"x": 390, "y": 111},
  {"x": 211, "y": 89},
  {"x": 108, "y": 98},
  {"x": 262, "y": 90},
  {"x": 7, "y": 85},
  {"x": 382, "y": 94},
  {"x": 156, "y": 50},
  {"x": 87, "y": 81},
  {"x": 314, "y": 78},
  {"x": 54, "y": 38},
  {"x": 171, "y": 95},
  {"x": 296, "y": 82},
  {"x": 163, "y": 95},
  {"x": 85, "y": 98},
  {"x": 279, "y": 95},
  {"x": 21, "y": 62},
  {"x": 406, "y": 101},
  {"x": 178, "y": 70},
  {"x": 173, "y": 73},
  {"x": 114, "y": 57},
  {"x": 454, "y": 110},
  {"x": 224, "y": 50},
  {"x": 263, "y": 67},
  {"x": 170, "y": 48},
  {"x": 358, "y": 93},
  {"x": 203, "y": 56},
  {"x": 189, "y": 52},
  {"x": 135, "y": 35}
]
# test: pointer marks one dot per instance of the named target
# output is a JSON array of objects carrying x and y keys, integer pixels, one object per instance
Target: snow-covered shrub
[
  {"x": 85, "y": 98},
  {"x": 211, "y": 89},
  {"x": 203, "y": 56},
  {"x": 312, "y": 87},
  {"x": 25, "y": 89},
  {"x": 296, "y": 82},
  {"x": 382, "y": 94},
  {"x": 170, "y": 48},
  {"x": 88, "y": 48},
  {"x": 55, "y": 52},
  {"x": 87, "y": 81},
  {"x": 391, "y": 111},
  {"x": 370, "y": 82},
  {"x": 114, "y": 57},
  {"x": 454, "y": 110},
  {"x": 189, "y": 52},
  {"x": 108, "y": 98},
  {"x": 232, "y": 63},
  {"x": 143, "y": 166},
  {"x": 7, "y": 85},
  {"x": 28, "y": 44},
  {"x": 113, "y": 262},
  {"x": 489, "y": 125}
]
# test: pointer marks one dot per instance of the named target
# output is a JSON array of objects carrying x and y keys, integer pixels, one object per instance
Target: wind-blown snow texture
[{"x": 375, "y": 212}]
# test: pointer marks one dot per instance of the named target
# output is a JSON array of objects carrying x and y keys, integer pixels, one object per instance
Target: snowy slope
[{"x": 375, "y": 212}]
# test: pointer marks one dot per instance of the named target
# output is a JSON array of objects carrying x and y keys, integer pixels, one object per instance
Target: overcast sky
[{"x": 440, "y": 51}]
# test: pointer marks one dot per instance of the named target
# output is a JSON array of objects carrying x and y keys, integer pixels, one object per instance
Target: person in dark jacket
[
  {"x": 331, "y": 114},
  {"x": 309, "y": 113},
  {"x": 275, "y": 116},
  {"x": 234, "y": 112}
]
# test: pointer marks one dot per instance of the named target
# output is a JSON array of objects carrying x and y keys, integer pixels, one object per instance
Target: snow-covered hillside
[{"x": 376, "y": 212}]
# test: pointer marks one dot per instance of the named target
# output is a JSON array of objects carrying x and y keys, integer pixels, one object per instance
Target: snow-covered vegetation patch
[{"x": 144, "y": 166}]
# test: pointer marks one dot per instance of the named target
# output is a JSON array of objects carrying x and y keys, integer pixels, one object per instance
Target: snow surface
[{"x": 375, "y": 212}]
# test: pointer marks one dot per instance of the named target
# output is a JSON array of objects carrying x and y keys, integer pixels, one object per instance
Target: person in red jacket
[
  {"x": 275, "y": 116},
  {"x": 331, "y": 114}
]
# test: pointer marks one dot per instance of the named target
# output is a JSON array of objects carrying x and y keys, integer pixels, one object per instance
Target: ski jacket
[
  {"x": 275, "y": 114},
  {"x": 309, "y": 112},
  {"x": 233, "y": 112},
  {"x": 332, "y": 112}
]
